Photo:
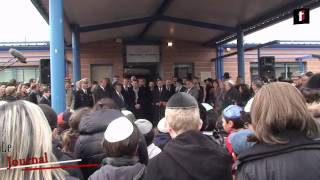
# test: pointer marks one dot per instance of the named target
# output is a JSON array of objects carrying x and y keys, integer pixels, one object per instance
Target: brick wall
[{"x": 183, "y": 52}]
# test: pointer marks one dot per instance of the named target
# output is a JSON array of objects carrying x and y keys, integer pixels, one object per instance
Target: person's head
[
  {"x": 184, "y": 81},
  {"x": 32, "y": 81},
  {"x": 245, "y": 117},
  {"x": 151, "y": 84},
  {"x": 50, "y": 114},
  {"x": 121, "y": 138},
  {"x": 305, "y": 78},
  {"x": 227, "y": 85},
  {"x": 215, "y": 84},
  {"x": 67, "y": 84},
  {"x": 63, "y": 120},
  {"x": 11, "y": 91},
  {"x": 297, "y": 78},
  {"x": 168, "y": 82},
  {"x": 195, "y": 80},
  {"x": 12, "y": 82},
  {"x": 103, "y": 82},
  {"x": 174, "y": 80},
  {"x": 278, "y": 107},
  {"x": 3, "y": 89},
  {"x": 133, "y": 78},
  {"x": 125, "y": 81},
  {"x": 189, "y": 84},
  {"x": 105, "y": 103},
  {"x": 142, "y": 82},
  {"x": 159, "y": 83},
  {"x": 47, "y": 92},
  {"x": 135, "y": 84},
  {"x": 24, "y": 88},
  {"x": 226, "y": 76},
  {"x": 256, "y": 85},
  {"x": 84, "y": 84},
  {"x": 25, "y": 128},
  {"x": 311, "y": 91},
  {"x": 231, "y": 118},
  {"x": 145, "y": 128},
  {"x": 117, "y": 87},
  {"x": 179, "y": 82},
  {"x": 78, "y": 85},
  {"x": 182, "y": 114},
  {"x": 75, "y": 118}
]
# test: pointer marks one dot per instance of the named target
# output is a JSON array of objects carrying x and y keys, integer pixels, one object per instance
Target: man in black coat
[
  {"x": 232, "y": 95},
  {"x": 160, "y": 98},
  {"x": 190, "y": 155},
  {"x": 140, "y": 100},
  {"x": 128, "y": 94},
  {"x": 103, "y": 90},
  {"x": 34, "y": 94},
  {"x": 118, "y": 97},
  {"x": 83, "y": 97},
  {"x": 45, "y": 99}
]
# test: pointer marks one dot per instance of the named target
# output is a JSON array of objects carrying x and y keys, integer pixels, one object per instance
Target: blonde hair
[
  {"x": 23, "y": 125},
  {"x": 10, "y": 90},
  {"x": 278, "y": 107},
  {"x": 182, "y": 120}
]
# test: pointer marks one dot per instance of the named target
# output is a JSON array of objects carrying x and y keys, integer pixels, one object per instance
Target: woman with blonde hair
[
  {"x": 287, "y": 136},
  {"x": 24, "y": 127}
]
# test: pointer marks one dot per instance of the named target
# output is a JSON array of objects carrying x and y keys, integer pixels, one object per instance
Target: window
[
  {"x": 99, "y": 72},
  {"x": 183, "y": 70},
  {"x": 282, "y": 69},
  {"x": 21, "y": 74}
]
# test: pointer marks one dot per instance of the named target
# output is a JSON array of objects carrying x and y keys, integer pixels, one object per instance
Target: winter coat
[
  {"x": 91, "y": 135},
  {"x": 297, "y": 160},
  {"x": 73, "y": 172},
  {"x": 122, "y": 168},
  {"x": 191, "y": 155}
]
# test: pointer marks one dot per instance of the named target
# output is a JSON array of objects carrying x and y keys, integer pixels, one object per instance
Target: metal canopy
[{"x": 202, "y": 21}]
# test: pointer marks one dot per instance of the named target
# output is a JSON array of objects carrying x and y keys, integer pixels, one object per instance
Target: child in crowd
[
  {"x": 145, "y": 127},
  {"x": 120, "y": 144},
  {"x": 162, "y": 137}
]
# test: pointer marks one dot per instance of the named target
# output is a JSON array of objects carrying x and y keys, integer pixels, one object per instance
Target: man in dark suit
[
  {"x": 45, "y": 99},
  {"x": 103, "y": 90},
  {"x": 128, "y": 94},
  {"x": 140, "y": 100},
  {"x": 179, "y": 86},
  {"x": 34, "y": 94},
  {"x": 83, "y": 97},
  {"x": 160, "y": 98},
  {"x": 169, "y": 88},
  {"x": 118, "y": 97}
]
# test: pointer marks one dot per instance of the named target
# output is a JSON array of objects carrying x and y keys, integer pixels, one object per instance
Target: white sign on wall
[{"x": 142, "y": 53}]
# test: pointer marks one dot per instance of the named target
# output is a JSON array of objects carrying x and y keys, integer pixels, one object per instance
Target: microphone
[{"x": 18, "y": 55}]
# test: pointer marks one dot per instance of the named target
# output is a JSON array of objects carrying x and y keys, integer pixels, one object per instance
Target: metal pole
[
  {"x": 76, "y": 54},
  {"x": 240, "y": 55},
  {"x": 57, "y": 62}
]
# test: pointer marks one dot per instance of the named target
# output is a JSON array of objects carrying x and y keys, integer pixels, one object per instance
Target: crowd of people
[{"x": 166, "y": 129}]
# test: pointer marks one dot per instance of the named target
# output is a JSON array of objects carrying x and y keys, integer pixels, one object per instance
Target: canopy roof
[{"x": 208, "y": 22}]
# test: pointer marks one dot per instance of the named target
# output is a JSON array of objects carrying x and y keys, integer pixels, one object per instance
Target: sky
[{"x": 20, "y": 21}]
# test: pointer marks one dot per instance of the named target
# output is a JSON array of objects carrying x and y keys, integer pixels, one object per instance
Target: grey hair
[{"x": 23, "y": 125}]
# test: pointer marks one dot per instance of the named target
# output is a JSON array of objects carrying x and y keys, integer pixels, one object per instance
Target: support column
[
  {"x": 221, "y": 62},
  {"x": 240, "y": 50},
  {"x": 217, "y": 63},
  {"x": 76, "y": 54},
  {"x": 57, "y": 63}
]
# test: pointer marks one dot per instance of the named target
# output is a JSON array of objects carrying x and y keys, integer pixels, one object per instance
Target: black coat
[
  {"x": 33, "y": 97},
  {"x": 190, "y": 156},
  {"x": 128, "y": 98},
  {"x": 231, "y": 97},
  {"x": 83, "y": 100},
  {"x": 10, "y": 98},
  {"x": 297, "y": 160},
  {"x": 44, "y": 100},
  {"x": 89, "y": 144},
  {"x": 74, "y": 172},
  {"x": 98, "y": 93},
  {"x": 121, "y": 102}
]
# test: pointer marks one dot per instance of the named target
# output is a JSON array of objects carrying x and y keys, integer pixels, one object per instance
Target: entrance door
[
  {"x": 148, "y": 71},
  {"x": 100, "y": 71}
]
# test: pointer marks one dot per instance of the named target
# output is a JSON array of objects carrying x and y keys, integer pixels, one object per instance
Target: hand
[{"x": 137, "y": 106}]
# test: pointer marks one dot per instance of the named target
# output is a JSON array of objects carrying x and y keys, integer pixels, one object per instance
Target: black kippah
[{"x": 182, "y": 100}]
